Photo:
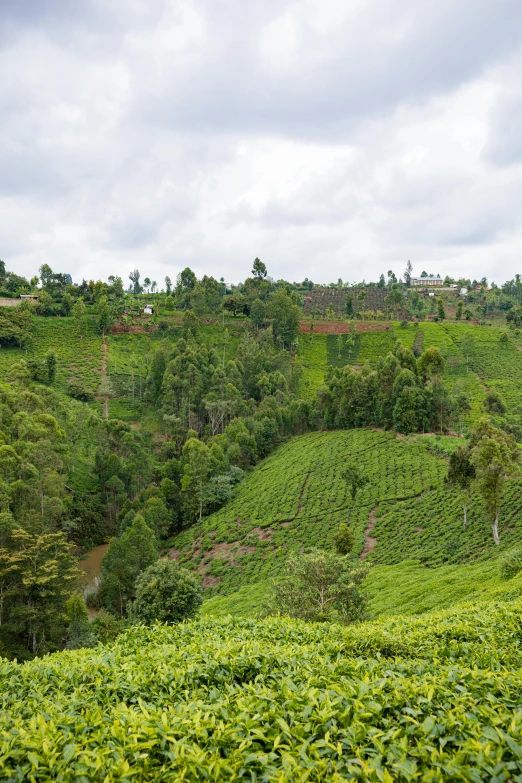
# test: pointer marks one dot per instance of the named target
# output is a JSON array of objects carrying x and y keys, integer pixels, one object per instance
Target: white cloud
[{"x": 331, "y": 140}]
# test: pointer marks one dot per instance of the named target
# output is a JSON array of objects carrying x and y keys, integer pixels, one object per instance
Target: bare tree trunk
[
  {"x": 495, "y": 529},
  {"x": 465, "y": 515}
]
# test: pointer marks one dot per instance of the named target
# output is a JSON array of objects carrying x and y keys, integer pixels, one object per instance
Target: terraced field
[
  {"x": 485, "y": 368},
  {"x": 498, "y": 364},
  {"x": 319, "y": 300},
  {"x": 129, "y": 356},
  {"x": 432, "y": 531}
]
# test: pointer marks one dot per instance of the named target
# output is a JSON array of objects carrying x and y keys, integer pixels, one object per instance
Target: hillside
[
  {"x": 433, "y": 698},
  {"x": 475, "y": 355},
  {"x": 296, "y": 498}
]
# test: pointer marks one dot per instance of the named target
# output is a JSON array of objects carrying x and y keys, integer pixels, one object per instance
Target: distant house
[
  {"x": 463, "y": 292},
  {"x": 29, "y": 296},
  {"x": 148, "y": 309},
  {"x": 429, "y": 280}
]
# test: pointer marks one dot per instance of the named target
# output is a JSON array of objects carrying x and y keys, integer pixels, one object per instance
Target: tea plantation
[
  {"x": 435, "y": 698},
  {"x": 296, "y": 498},
  {"x": 489, "y": 364}
]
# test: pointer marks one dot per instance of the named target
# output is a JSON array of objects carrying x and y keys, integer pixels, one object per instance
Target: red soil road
[
  {"x": 369, "y": 541},
  {"x": 344, "y": 327}
]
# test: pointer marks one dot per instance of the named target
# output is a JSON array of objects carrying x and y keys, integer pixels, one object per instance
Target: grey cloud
[
  {"x": 327, "y": 85},
  {"x": 157, "y": 134},
  {"x": 504, "y": 146}
]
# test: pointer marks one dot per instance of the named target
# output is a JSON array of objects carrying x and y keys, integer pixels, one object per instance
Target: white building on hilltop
[{"x": 429, "y": 280}]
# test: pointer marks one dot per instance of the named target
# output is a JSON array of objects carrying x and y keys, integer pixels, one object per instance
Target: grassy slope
[
  {"x": 441, "y": 541},
  {"x": 489, "y": 365},
  {"x": 296, "y": 498},
  {"x": 423, "y": 558},
  {"x": 486, "y": 367},
  {"x": 130, "y": 352},
  {"x": 405, "y": 589},
  {"x": 433, "y": 698},
  {"x": 78, "y": 357}
]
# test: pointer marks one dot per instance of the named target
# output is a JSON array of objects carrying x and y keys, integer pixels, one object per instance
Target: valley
[{"x": 200, "y": 463}]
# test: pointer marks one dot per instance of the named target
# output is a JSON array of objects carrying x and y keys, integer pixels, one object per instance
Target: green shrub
[
  {"x": 344, "y": 540},
  {"x": 107, "y": 627},
  {"x": 78, "y": 390},
  {"x": 511, "y": 563},
  {"x": 166, "y": 593},
  {"x": 320, "y": 587},
  {"x": 80, "y": 631}
]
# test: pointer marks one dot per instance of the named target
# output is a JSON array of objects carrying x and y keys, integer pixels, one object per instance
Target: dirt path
[
  {"x": 104, "y": 380},
  {"x": 369, "y": 542}
]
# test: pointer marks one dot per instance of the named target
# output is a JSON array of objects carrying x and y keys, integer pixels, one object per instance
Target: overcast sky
[{"x": 332, "y": 139}]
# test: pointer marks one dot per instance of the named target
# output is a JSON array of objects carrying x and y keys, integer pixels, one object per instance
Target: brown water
[{"x": 90, "y": 563}]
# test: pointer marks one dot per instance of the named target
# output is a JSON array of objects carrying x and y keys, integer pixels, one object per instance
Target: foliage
[
  {"x": 511, "y": 563},
  {"x": 80, "y": 632},
  {"x": 107, "y": 627},
  {"x": 344, "y": 540},
  {"x": 126, "y": 558},
  {"x": 430, "y": 696},
  {"x": 78, "y": 391},
  {"x": 401, "y": 392},
  {"x": 165, "y": 593},
  {"x": 15, "y": 326},
  {"x": 355, "y": 479},
  {"x": 320, "y": 587},
  {"x": 494, "y": 455},
  {"x": 285, "y": 317},
  {"x": 295, "y": 500}
]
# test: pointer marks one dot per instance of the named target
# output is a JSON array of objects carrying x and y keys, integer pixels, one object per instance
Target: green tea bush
[
  {"x": 435, "y": 698},
  {"x": 511, "y": 563}
]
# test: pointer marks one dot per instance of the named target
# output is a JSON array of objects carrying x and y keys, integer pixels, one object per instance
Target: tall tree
[
  {"x": 285, "y": 317},
  {"x": 320, "y": 587},
  {"x": 394, "y": 300},
  {"x": 79, "y": 312},
  {"x": 198, "y": 467},
  {"x": 407, "y": 273},
  {"x": 126, "y": 558},
  {"x": 461, "y": 474},
  {"x": 46, "y": 576},
  {"x": 134, "y": 277},
  {"x": 355, "y": 478},
  {"x": 259, "y": 269},
  {"x": 103, "y": 315},
  {"x": 430, "y": 363},
  {"x": 495, "y": 455}
]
